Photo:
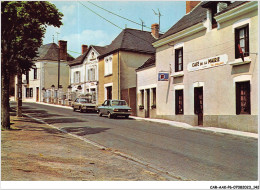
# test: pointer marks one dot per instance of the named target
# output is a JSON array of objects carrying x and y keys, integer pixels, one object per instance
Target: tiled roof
[
  {"x": 50, "y": 52},
  {"x": 150, "y": 62},
  {"x": 131, "y": 40},
  {"x": 197, "y": 15},
  {"x": 79, "y": 59}
]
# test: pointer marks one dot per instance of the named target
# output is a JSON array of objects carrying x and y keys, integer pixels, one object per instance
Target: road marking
[{"x": 146, "y": 165}]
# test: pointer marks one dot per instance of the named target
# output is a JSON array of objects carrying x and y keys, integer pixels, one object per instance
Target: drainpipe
[{"x": 118, "y": 74}]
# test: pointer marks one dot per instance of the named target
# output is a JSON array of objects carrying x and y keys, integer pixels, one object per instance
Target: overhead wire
[
  {"x": 100, "y": 16},
  {"x": 117, "y": 15}
]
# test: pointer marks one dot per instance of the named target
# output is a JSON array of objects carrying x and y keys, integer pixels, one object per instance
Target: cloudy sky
[{"x": 82, "y": 26}]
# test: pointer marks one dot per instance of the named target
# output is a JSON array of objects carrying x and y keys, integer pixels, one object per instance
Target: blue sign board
[{"x": 163, "y": 76}]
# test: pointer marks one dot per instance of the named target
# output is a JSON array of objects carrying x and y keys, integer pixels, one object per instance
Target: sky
[{"x": 81, "y": 26}]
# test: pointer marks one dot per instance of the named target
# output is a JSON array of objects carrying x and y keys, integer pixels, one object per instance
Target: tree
[{"x": 23, "y": 26}]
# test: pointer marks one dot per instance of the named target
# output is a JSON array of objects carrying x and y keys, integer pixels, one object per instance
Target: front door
[
  {"x": 109, "y": 92},
  {"x": 37, "y": 94},
  {"x": 198, "y": 104},
  {"x": 147, "y": 110}
]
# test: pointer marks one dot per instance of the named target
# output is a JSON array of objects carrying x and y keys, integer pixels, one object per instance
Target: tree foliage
[{"x": 23, "y": 26}]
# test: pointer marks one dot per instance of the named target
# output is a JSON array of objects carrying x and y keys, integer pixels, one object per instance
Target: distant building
[
  {"x": 44, "y": 73},
  {"x": 211, "y": 55},
  {"x": 128, "y": 51},
  {"x": 84, "y": 72}
]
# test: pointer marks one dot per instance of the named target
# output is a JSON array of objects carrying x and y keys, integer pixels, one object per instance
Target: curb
[{"x": 182, "y": 125}]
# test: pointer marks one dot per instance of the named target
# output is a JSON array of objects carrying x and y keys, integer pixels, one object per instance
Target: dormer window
[
  {"x": 213, "y": 20},
  {"x": 214, "y": 7}
]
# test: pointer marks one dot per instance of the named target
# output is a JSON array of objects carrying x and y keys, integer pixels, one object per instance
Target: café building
[{"x": 211, "y": 55}]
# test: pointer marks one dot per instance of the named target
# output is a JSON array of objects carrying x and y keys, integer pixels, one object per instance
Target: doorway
[
  {"x": 109, "y": 92},
  {"x": 37, "y": 94},
  {"x": 198, "y": 104},
  {"x": 147, "y": 110}
]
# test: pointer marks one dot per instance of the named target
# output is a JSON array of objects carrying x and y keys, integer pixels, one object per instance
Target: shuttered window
[
  {"x": 179, "y": 102},
  {"x": 243, "y": 98},
  {"x": 179, "y": 59}
]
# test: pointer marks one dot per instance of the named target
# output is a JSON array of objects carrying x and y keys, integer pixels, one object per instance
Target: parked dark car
[{"x": 114, "y": 108}]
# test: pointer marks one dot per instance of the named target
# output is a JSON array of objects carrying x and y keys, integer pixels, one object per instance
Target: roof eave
[
  {"x": 242, "y": 9},
  {"x": 184, "y": 33},
  {"x": 144, "y": 68},
  {"x": 125, "y": 49}
]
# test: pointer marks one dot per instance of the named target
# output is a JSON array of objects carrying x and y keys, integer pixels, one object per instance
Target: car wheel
[
  {"x": 74, "y": 109},
  {"x": 99, "y": 113},
  {"x": 110, "y": 116},
  {"x": 127, "y": 116},
  {"x": 81, "y": 110}
]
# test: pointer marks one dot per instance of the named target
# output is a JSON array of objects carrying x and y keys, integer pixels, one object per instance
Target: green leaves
[{"x": 23, "y": 27}]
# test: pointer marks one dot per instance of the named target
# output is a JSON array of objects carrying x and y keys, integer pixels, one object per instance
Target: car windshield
[
  {"x": 84, "y": 100},
  {"x": 119, "y": 103}
]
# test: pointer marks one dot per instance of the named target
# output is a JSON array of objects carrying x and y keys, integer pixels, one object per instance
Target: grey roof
[
  {"x": 150, "y": 62},
  {"x": 131, "y": 40},
  {"x": 197, "y": 15},
  {"x": 50, "y": 52},
  {"x": 79, "y": 60}
]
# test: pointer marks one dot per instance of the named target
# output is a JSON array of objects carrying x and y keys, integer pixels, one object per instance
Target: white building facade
[
  {"x": 212, "y": 56},
  {"x": 84, "y": 73}
]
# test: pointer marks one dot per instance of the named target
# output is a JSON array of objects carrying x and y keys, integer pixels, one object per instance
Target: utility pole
[
  {"x": 58, "y": 61},
  {"x": 159, "y": 15}
]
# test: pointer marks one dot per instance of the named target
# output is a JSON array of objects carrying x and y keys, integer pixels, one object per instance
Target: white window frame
[
  {"x": 108, "y": 65},
  {"x": 77, "y": 77}
]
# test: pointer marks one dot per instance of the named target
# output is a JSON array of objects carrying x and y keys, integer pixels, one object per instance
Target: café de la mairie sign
[{"x": 208, "y": 63}]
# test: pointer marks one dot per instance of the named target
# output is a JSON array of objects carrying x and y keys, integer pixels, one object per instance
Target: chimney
[
  {"x": 155, "y": 30},
  {"x": 190, "y": 5},
  {"x": 63, "y": 50},
  {"x": 84, "y": 48}
]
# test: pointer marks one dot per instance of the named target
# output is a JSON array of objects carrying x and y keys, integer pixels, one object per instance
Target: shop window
[
  {"x": 242, "y": 39},
  {"x": 243, "y": 98},
  {"x": 178, "y": 59},
  {"x": 179, "y": 102},
  {"x": 29, "y": 92},
  {"x": 35, "y": 73}
]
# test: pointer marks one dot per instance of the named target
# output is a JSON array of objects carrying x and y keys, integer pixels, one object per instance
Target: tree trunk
[
  {"x": 19, "y": 93},
  {"x": 5, "y": 115}
]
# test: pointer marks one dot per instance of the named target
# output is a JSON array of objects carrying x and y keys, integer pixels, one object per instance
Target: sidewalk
[
  {"x": 184, "y": 125},
  {"x": 33, "y": 151}
]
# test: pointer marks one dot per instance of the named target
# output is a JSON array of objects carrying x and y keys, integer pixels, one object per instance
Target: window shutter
[
  {"x": 176, "y": 60},
  {"x": 176, "y": 102},
  {"x": 238, "y": 98},
  {"x": 247, "y": 40},
  {"x": 247, "y": 85},
  {"x": 236, "y": 43},
  {"x": 195, "y": 101},
  {"x": 94, "y": 74}
]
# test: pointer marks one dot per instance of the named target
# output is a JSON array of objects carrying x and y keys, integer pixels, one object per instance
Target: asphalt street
[{"x": 181, "y": 153}]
